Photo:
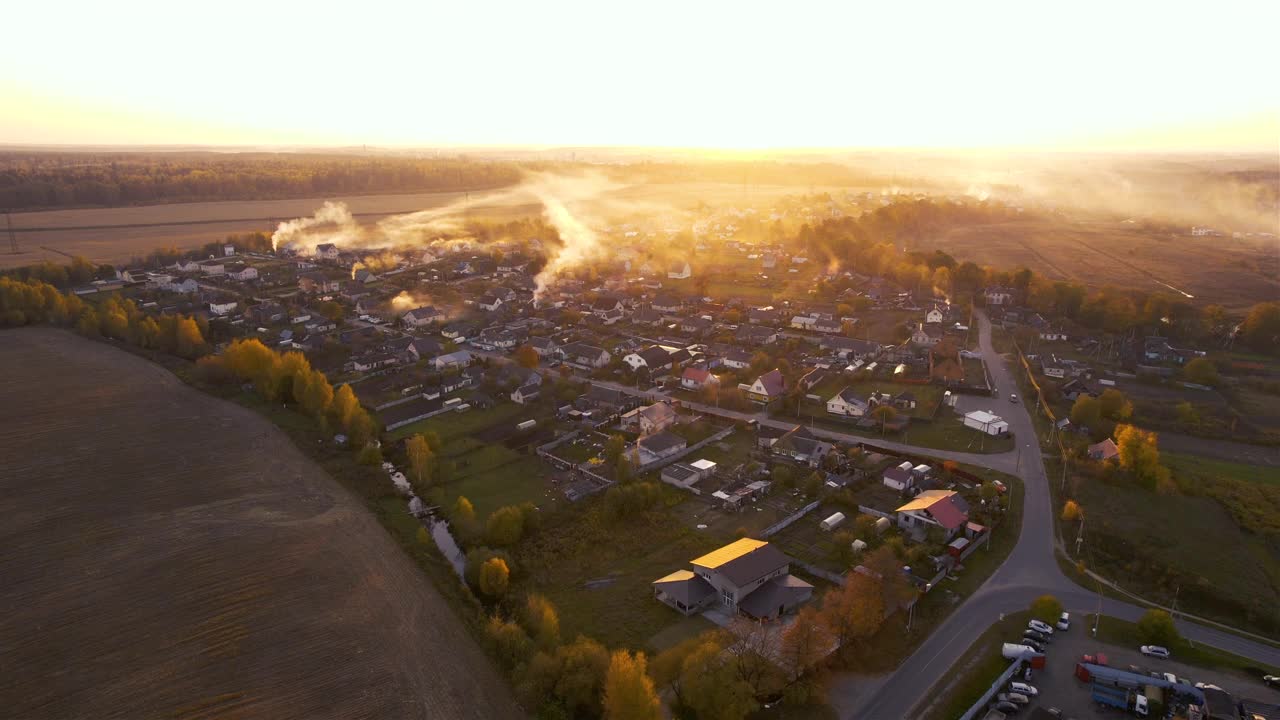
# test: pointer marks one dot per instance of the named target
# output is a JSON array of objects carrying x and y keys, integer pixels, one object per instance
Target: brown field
[
  {"x": 1214, "y": 269},
  {"x": 187, "y": 225},
  {"x": 171, "y": 555}
]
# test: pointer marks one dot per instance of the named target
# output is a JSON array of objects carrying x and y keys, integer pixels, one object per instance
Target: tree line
[{"x": 30, "y": 180}]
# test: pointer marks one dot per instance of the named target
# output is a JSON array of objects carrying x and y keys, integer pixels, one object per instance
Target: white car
[
  {"x": 1023, "y": 689},
  {"x": 1017, "y": 698},
  {"x": 1040, "y": 627},
  {"x": 1154, "y": 651},
  {"x": 1064, "y": 622}
]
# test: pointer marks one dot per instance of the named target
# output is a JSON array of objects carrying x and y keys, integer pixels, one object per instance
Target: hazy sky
[{"x": 1122, "y": 75}]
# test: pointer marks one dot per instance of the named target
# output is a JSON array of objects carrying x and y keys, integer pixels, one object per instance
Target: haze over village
[{"x": 570, "y": 384}]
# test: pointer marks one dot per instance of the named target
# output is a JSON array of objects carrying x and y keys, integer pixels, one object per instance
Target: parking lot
[{"x": 1059, "y": 687}]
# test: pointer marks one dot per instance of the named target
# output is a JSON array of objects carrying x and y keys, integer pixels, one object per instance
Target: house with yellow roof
[
  {"x": 748, "y": 576},
  {"x": 934, "y": 508}
]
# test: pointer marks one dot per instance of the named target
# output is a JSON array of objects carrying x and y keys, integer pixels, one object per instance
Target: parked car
[
  {"x": 1169, "y": 677},
  {"x": 1096, "y": 659},
  {"x": 1041, "y": 627},
  {"x": 1064, "y": 621},
  {"x": 1153, "y": 650},
  {"x": 1030, "y": 634},
  {"x": 1033, "y": 644},
  {"x": 1017, "y": 698},
  {"x": 1272, "y": 680},
  {"x": 1005, "y": 707},
  {"x": 1023, "y": 689},
  {"x": 1013, "y": 398}
]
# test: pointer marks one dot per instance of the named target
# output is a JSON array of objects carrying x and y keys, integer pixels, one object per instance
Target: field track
[{"x": 167, "y": 554}]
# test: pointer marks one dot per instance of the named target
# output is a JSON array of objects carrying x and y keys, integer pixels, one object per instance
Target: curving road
[{"x": 1029, "y": 571}]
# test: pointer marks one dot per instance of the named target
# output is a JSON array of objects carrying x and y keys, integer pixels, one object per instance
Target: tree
[
  {"x": 614, "y": 449},
  {"x": 988, "y": 491},
  {"x": 804, "y": 643},
  {"x": 509, "y": 642},
  {"x": 1071, "y": 511},
  {"x": 505, "y": 526},
  {"x": 1201, "y": 371},
  {"x": 464, "y": 515},
  {"x": 188, "y": 341},
  {"x": 884, "y": 414},
  {"x": 362, "y": 428},
  {"x": 541, "y": 620},
  {"x": 1187, "y": 413},
  {"x": 783, "y": 475},
  {"x": 344, "y": 406},
  {"x": 370, "y": 454},
  {"x": 1086, "y": 412},
  {"x": 1114, "y": 405},
  {"x": 526, "y": 357},
  {"x": 421, "y": 462},
  {"x": 711, "y": 687},
  {"x": 1046, "y": 608},
  {"x": 1261, "y": 327},
  {"x": 317, "y": 394},
  {"x": 1156, "y": 627},
  {"x": 584, "y": 664},
  {"x": 853, "y": 611},
  {"x": 1139, "y": 455},
  {"x": 668, "y": 666},
  {"x": 494, "y": 577},
  {"x": 813, "y": 484},
  {"x": 628, "y": 689}
]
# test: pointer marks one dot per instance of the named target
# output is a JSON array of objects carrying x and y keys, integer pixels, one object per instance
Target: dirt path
[{"x": 168, "y": 554}]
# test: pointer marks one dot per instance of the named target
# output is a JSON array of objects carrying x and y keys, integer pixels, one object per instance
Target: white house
[
  {"x": 222, "y": 308},
  {"x": 998, "y": 296},
  {"x": 243, "y": 273},
  {"x": 899, "y": 477},
  {"x": 489, "y": 302},
  {"x": 769, "y": 386},
  {"x": 419, "y": 317},
  {"x": 935, "y": 315},
  {"x": 679, "y": 270},
  {"x": 846, "y": 403},
  {"x": 695, "y": 378},
  {"x": 987, "y": 422},
  {"x": 804, "y": 322},
  {"x": 460, "y": 358},
  {"x": 212, "y": 267},
  {"x": 737, "y": 359},
  {"x": 327, "y": 251},
  {"x": 926, "y": 335},
  {"x": 583, "y": 354},
  {"x": 660, "y": 445},
  {"x": 185, "y": 285}
]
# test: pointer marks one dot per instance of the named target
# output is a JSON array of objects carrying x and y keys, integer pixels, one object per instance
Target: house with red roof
[
  {"x": 934, "y": 508},
  {"x": 695, "y": 378}
]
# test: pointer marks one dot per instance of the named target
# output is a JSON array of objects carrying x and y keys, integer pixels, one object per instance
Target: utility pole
[
  {"x": 13, "y": 237},
  {"x": 1080, "y": 537}
]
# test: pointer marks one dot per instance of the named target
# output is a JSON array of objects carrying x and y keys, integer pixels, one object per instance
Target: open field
[
  {"x": 1234, "y": 273},
  {"x": 117, "y": 234},
  {"x": 169, "y": 554}
]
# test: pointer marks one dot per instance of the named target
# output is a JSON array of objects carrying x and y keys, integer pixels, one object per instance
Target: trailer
[
  {"x": 1111, "y": 696},
  {"x": 526, "y": 424}
]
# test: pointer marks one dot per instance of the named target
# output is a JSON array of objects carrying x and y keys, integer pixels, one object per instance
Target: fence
[
  {"x": 786, "y": 521},
  {"x": 819, "y": 572},
  {"x": 424, "y": 416},
  {"x": 980, "y": 707}
]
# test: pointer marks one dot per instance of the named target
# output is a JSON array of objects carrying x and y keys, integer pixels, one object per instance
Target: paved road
[{"x": 1029, "y": 571}]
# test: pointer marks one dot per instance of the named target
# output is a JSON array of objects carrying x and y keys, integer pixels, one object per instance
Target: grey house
[{"x": 748, "y": 576}]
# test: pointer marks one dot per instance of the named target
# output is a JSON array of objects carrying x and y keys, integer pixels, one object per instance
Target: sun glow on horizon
[{"x": 1133, "y": 76}]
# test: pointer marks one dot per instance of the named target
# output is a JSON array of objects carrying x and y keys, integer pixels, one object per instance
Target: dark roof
[
  {"x": 765, "y": 600},
  {"x": 753, "y": 565},
  {"x": 690, "y": 590},
  {"x": 655, "y": 356},
  {"x": 662, "y": 442},
  {"x": 772, "y": 382}
]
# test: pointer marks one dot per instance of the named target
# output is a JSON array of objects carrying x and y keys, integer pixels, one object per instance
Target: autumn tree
[
  {"x": 853, "y": 611},
  {"x": 317, "y": 394},
  {"x": 1261, "y": 327},
  {"x": 1086, "y": 412},
  {"x": 463, "y": 515},
  {"x": 344, "y": 406},
  {"x": 505, "y": 526},
  {"x": 188, "y": 340},
  {"x": 1114, "y": 405},
  {"x": 884, "y": 414},
  {"x": 421, "y": 461},
  {"x": 1139, "y": 455},
  {"x": 1156, "y": 627},
  {"x": 1201, "y": 371},
  {"x": 494, "y": 577},
  {"x": 1187, "y": 413},
  {"x": 806, "y": 641},
  {"x": 1071, "y": 511},
  {"x": 628, "y": 689},
  {"x": 541, "y": 620},
  {"x": 581, "y": 669},
  {"x": 526, "y": 357},
  {"x": 509, "y": 642},
  {"x": 1046, "y": 608},
  {"x": 711, "y": 687}
]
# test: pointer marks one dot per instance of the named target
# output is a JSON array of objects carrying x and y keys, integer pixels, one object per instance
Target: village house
[
  {"x": 544, "y": 346},
  {"x": 646, "y": 316},
  {"x": 667, "y": 304},
  {"x": 459, "y": 358},
  {"x": 851, "y": 349},
  {"x": 942, "y": 509},
  {"x": 422, "y": 316},
  {"x": 998, "y": 295},
  {"x": 604, "y": 305},
  {"x": 654, "y": 357},
  {"x": 222, "y": 307},
  {"x": 327, "y": 251},
  {"x": 651, "y": 419},
  {"x": 1104, "y": 450},
  {"x": 737, "y": 360},
  {"x": 489, "y": 303},
  {"x": 846, "y": 403},
  {"x": 899, "y": 477},
  {"x": 800, "y": 445},
  {"x": 679, "y": 270},
  {"x": 267, "y": 313},
  {"x": 935, "y": 315},
  {"x": 696, "y": 378},
  {"x": 751, "y": 577},
  {"x": 529, "y": 391},
  {"x": 186, "y": 265},
  {"x": 317, "y": 282},
  {"x": 659, "y": 446},
  {"x": 185, "y": 286},
  {"x": 755, "y": 335},
  {"x": 766, "y": 388},
  {"x": 212, "y": 267},
  {"x": 987, "y": 422},
  {"x": 803, "y": 322},
  {"x": 696, "y": 325},
  {"x": 242, "y": 272},
  {"x": 926, "y": 335},
  {"x": 587, "y": 355}
]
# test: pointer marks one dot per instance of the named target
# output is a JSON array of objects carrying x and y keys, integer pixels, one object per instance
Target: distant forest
[
  {"x": 56, "y": 180},
  {"x": 48, "y": 180}
]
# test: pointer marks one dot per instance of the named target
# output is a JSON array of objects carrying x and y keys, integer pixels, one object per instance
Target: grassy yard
[
  {"x": 597, "y": 569},
  {"x": 500, "y": 477},
  {"x": 453, "y": 425},
  {"x": 1199, "y": 468},
  {"x": 982, "y": 663}
]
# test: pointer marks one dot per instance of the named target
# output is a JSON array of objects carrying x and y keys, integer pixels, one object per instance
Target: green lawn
[
  {"x": 1198, "y": 467},
  {"x": 452, "y": 425},
  {"x": 1125, "y": 634},
  {"x": 500, "y": 480}
]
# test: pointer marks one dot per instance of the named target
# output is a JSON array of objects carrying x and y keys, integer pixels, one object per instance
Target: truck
[
  {"x": 1013, "y": 651},
  {"x": 1111, "y": 696}
]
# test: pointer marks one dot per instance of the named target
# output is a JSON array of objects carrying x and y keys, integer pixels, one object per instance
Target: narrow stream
[{"x": 439, "y": 529}]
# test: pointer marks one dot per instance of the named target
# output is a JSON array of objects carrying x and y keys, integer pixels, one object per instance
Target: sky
[{"x": 749, "y": 75}]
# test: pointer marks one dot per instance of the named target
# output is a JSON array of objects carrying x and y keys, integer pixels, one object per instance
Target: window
[{"x": 726, "y": 597}]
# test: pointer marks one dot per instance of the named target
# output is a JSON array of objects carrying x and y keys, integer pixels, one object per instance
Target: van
[
  {"x": 1064, "y": 622},
  {"x": 1140, "y": 705},
  {"x": 1023, "y": 689}
]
